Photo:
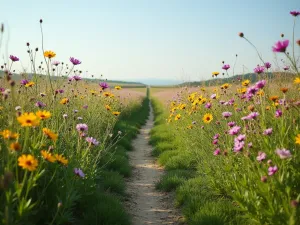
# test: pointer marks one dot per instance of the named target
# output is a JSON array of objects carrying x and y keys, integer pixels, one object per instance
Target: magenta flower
[
  {"x": 103, "y": 85},
  {"x": 85, "y": 106},
  {"x": 79, "y": 172},
  {"x": 272, "y": 170},
  {"x": 40, "y": 104},
  {"x": 241, "y": 137},
  {"x": 251, "y": 116},
  {"x": 226, "y": 67},
  {"x": 260, "y": 84},
  {"x": 283, "y": 153},
  {"x": 76, "y": 78},
  {"x": 267, "y": 65},
  {"x": 24, "y": 82},
  {"x": 261, "y": 156},
  {"x": 215, "y": 142},
  {"x": 295, "y": 13},
  {"x": 234, "y": 130},
  {"x": 82, "y": 127},
  {"x": 217, "y": 151},
  {"x": 226, "y": 114},
  {"x": 213, "y": 96},
  {"x": 75, "y": 61},
  {"x": 259, "y": 69},
  {"x": 268, "y": 131},
  {"x": 278, "y": 113},
  {"x": 238, "y": 145},
  {"x": 216, "y": 136},
  {"x": 280, "y": 46},
  {"x": 92, "y": 141},
  {"x": 231, "y": 124},
  {"x": 14, "y": 58}
]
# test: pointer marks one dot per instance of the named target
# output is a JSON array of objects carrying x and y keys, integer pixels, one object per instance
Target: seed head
[{"x": 241, "y": 34}]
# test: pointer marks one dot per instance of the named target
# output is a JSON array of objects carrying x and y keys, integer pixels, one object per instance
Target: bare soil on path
[{"x": 147, "y": 205}]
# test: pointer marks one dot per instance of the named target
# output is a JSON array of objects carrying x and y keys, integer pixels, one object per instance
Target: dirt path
[{"x": 147, "y": 205}]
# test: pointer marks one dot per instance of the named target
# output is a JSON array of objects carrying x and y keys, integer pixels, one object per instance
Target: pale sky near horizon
[{"x": 158, "y": 39}]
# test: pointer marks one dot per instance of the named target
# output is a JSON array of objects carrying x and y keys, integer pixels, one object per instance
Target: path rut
[{"x": 147, "y": 205}]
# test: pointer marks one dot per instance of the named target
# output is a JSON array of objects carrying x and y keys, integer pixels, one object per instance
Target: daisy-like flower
[
  {"x": 61, "y": 159},
  {"x": 118, "y": 87},
  {"x": 48, "y": 156},
  {"x": 15, "y": 146},
  {"x": 280, "y": 46},
  {"x": 278, "y": 113},
  {"x": 245, "y": 83},
  {"x": 268, "y": 131},
  {"x": 261, "y": 156},
  {"x": 267, "y": 65},
  {"x": 28, "y": 162},
  {"x": 217, "y": 151},
  {"x": 207, "y": 118},
  {"x": 50, "y": 134},
  {"x": 7, "y": 134},
  {"x": 177, "y": 117},
  {"x": 297, "y": 139},
  {"x": 75, "y": 61},
  {"x": 30, "y": 84},
  {"x": 81, "y": 127},
  {"x": 64, "y": 101},
  {"x": 28, "y": 120},
  {"x": 283, "y": 153},
  {"x": 226, "y": 67},
  {"x": 49, "y": 54},
  {"x": 272, "y": 170},
  {"x": 55, "y": 63},
  {"x": 226, "y": 114},
  {"x": 259, "y": 69},
  {"x": 14, "y": 58},
  {"x": 116, "y": 113},
  {"x": 24, "y": 82},
  {"x": 215, "y": 73},
  {"x": 213, "y": 96},
  {"x": 76, "y": 78},
  {"x": 43, "y": 114},
  {"x": 208, "y": 105},
  {"x": 297, "y": 80},
  {"x": 260, "y": 84},
  {"x": 295, "y": 13},
  {"x": 103, "y": 85},
  {"x": 107, "y": 107},
  {"x": 234, "y": 130},
  {"x": 231, "y": 124},
  {"x": 79, "y": 172},
  {"x": 92, "y": 141},
  {"x": 225, "y": 86}
]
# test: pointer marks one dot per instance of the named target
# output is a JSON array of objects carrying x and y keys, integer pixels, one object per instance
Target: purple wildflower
[
  {"x": 278, "y": 113},
  {"x": 216, "y": 136},
  {"x": 272, "y": 170},
  {"x": 215, "y": 142},
  {"x": 260, "y": 84},
  {"x": 226, "y": 114},
  {"x": 82, "y": 127},
  {"x": 14, "y": 58},
  {"x": 92, "y": 141},
  {"x": 217, "y": 151},
  {"x": 76, "y": 78},
  {"x": 79, "y": 172},
  {"x": 75, "y": 61},
  {"x": 234, "y": 130},
  {"x": 85, "y": 106},
  {"x": 231, "y": 101},
  {"x": 40, "y": 104},
  {"x": 61, "y": 91},
  {"x": 226, "y": 67},
  {"x": 213, "y": 96},
  {"x": 259, "y": 69},
  {"x": 261, "y": 156},
  {"x": 208, "y": 105},
  {"x": 231, "y": 124},
  {"x": 295, "y": 13},
  {"x": 267, "y": 65},
  {"x": 103, "y": 85},
  {"x": 283, "y": 153},
  {"x": 241, "y": 137},
  {"x": 24, "y": 82},
  {"x": 238, "y": 145},
  {"x": 280, "y": 46},
  {"x": 268, "y": 131}
]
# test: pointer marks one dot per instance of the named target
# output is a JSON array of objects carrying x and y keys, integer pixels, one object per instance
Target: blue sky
[{"x": 154, "y": 39}]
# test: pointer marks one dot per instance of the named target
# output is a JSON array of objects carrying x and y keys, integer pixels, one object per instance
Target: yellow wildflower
[{"x": 28, "y": 162}]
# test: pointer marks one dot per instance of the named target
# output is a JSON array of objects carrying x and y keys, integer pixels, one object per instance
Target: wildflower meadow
[{"x": 231, "y": 145}]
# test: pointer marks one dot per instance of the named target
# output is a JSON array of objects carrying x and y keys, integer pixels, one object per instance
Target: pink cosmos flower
[
  {"x": 295, "y": 13},
  {"x": 259, "y": 69},
  {"x": 268, "y": 131},
  {"x": 79, "y": 172},
  {"x": 234, "y": 130},
  {"x": 92, "y": 141},
  {"x": 272, "y": 170},
  {"x": 280, "y": 46},
  {"x": 217, "y": 151},
  {"x": 283, "y": 153},
  {"x": 226, "y": 114},
  {"x": 267, "y": 65},
  {"x": 14, "y": 58},
  {"x": 278, "y": 113},
  {"x": 226, "y": 67},
  {"x": 75, "y": 61},
  {"x": 261, "y": 156}
]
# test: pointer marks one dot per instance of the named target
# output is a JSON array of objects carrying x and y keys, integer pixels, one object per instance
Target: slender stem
[
  {"x": 294, "y": 40},
  {"x": 255, "y": 50}
]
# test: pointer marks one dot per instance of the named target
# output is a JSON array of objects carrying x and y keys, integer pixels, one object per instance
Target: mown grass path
[{"x": 147, "y": 205}]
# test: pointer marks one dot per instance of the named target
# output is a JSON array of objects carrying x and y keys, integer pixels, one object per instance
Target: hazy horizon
[{"x": 141, "y": 40}]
